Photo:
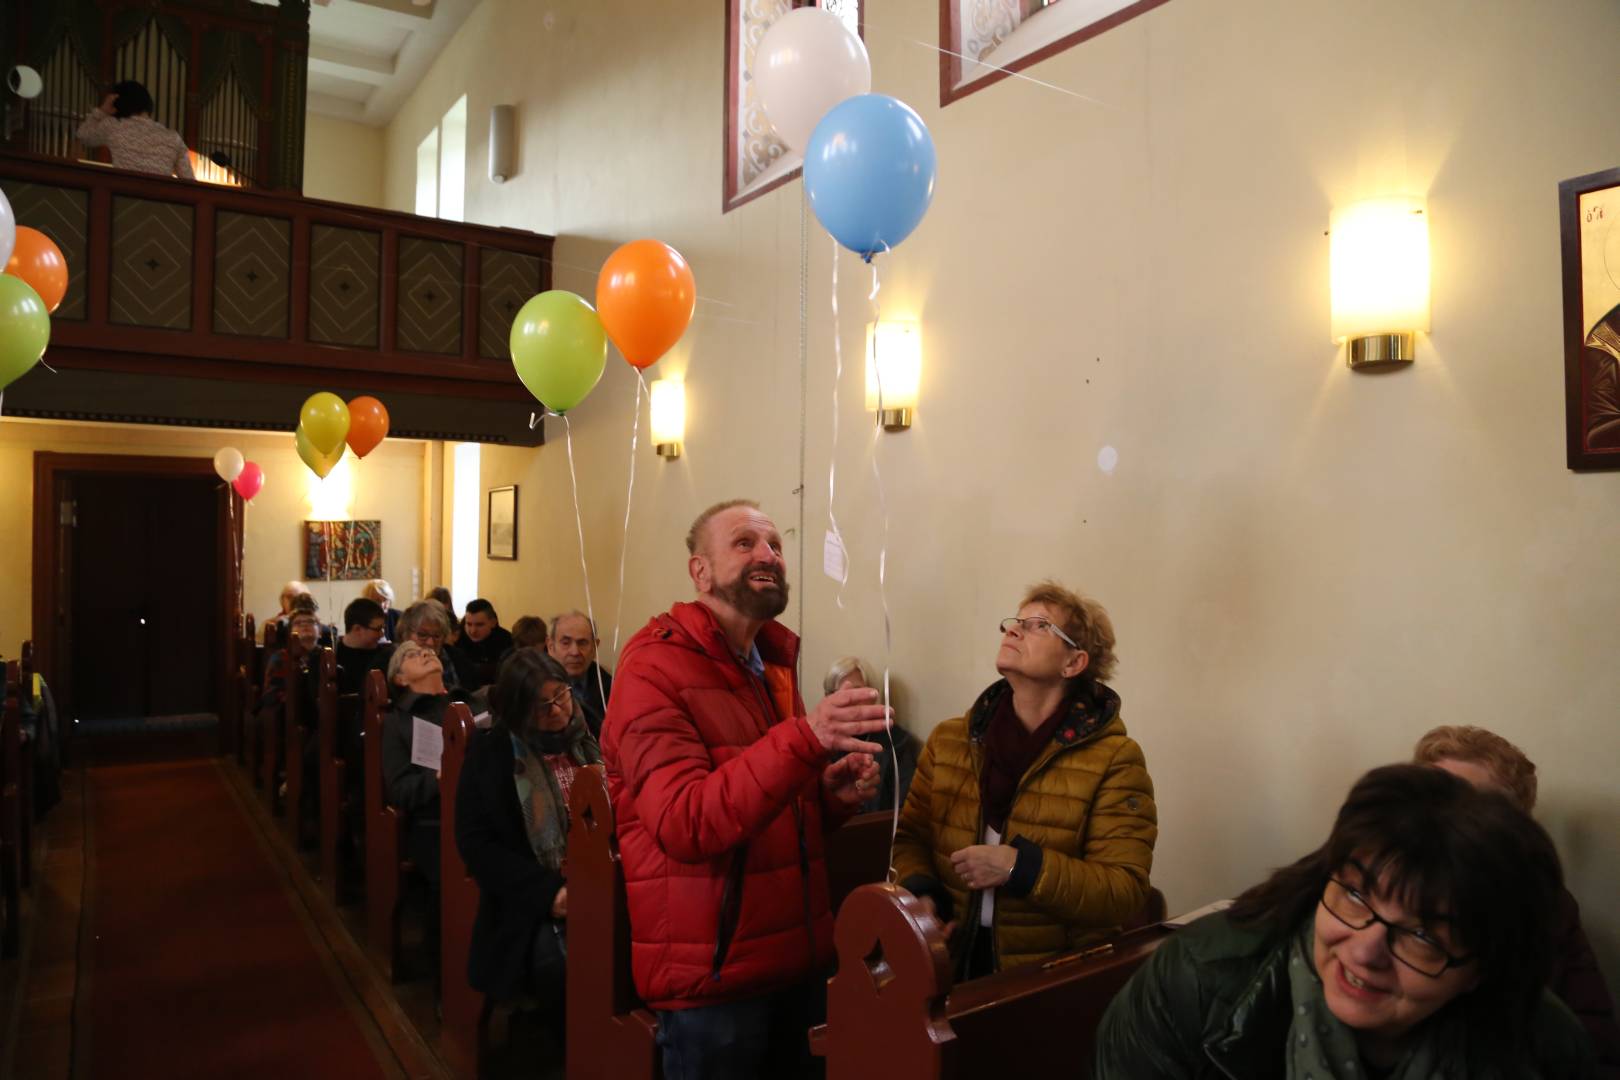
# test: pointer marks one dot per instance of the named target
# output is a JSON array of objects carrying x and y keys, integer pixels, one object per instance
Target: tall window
[
  {"x": 441, "y": 166},
  {"x": 982, "y": 40}
]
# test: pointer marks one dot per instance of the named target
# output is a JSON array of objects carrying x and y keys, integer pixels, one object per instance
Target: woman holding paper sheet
[
  {"x": 512, "y": 830},
  {"x": 417, "y": 680}
]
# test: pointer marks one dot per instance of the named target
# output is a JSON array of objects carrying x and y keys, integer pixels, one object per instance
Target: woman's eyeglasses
[
  {"x": 1413, "y": 948},
  {"x": 1035, "y": 624},
  {"x": 562, "y": 697}
]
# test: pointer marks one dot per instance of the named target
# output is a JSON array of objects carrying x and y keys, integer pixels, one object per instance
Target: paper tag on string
[{"x": 834, "y": 559}]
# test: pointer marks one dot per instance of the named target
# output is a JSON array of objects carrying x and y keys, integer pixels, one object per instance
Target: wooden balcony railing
[{"x": 184, "y": 280}]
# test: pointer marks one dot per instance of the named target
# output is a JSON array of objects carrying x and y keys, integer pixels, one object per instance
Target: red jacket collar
[{"x": 701, "y": 630}]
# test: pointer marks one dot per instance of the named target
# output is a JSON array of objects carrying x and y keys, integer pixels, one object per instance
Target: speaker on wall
[{"x": 502, "y": 142}]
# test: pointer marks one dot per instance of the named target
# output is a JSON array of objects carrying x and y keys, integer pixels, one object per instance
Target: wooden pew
[
  {"x": 329, "y": 774},
  {"x": 25, "y": 766},
  {"x": 292, "y": 749},
  {"x": 892, "y": 1009},
  {"x": 247, "y": 679},
  {"x": 10, "y": 852},
  {"x": 385, "y": 840},
  {"x": 466, "y": 1014},
  {"x": 269, "y": 721}
]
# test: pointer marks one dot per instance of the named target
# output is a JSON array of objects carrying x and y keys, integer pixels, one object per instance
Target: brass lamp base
[
  {"x": 894, "y": 419},
  {"x": 671, "y": 450},
  {"x": 1379, "y": 352}
]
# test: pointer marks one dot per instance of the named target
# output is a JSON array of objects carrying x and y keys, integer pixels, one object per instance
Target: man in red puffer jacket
[{"x": 722, "y": 791}]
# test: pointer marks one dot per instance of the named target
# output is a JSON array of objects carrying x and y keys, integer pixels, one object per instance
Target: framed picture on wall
[
  {"x": 1589, "y": 224},
  {"x": 500, "y": 542}
]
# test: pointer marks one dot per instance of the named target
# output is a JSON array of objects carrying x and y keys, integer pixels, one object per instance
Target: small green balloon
[
  {"x": 320, "y": 464},
  {"x": 25, "y": 328},
  {"x": 559, "y": 348},
  {"x": 325, "y": 420}
]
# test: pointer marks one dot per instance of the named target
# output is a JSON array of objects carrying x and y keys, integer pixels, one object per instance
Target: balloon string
[
  {"x": 804, "y": 390},
  {"x": 832, "y": 458},
  {"x": 883, "y": 580},
  {"x": 579, "y": 527},
  {"x": 629, "y": 495}
]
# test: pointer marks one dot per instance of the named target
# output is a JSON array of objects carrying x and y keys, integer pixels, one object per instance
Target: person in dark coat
[
  {"x": 483, "y": 644},
  {"x": 898, "y": 761},
  {"x": 1414, "y": 944},
  {"x": 512, "y": 831},
  {"x": 429, "y": 624},
  {"x": 1488, "y": 761},
  {"x": 417, "y": 684},
  {"x": 361, "y": 647},
  {"x": 573, "y": 644}
]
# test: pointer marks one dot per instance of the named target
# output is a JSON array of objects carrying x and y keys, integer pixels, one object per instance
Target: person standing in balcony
[{"x": 123, "y": 124}]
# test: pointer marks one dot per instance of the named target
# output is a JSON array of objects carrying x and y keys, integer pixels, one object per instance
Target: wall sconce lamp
[
  {"x": 894, "y": 352},
  {"x": 1379, "y": 255},
  {"x": 668, "y": 417}
]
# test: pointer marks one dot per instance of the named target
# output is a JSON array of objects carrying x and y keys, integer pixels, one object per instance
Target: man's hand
[
  {"x": 559, "y": 906},
  {"x": 842, "y": 716},
  {"x": 985, "y": 866},
  {"x": 928, "y": 903},
  {"x": 851, "y": 780}
]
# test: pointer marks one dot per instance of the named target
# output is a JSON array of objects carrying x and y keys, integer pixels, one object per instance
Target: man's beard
[{"x": 753, "y": 603}]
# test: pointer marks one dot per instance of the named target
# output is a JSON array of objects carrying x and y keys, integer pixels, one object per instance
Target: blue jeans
[{"x": 766, "y": 1036}]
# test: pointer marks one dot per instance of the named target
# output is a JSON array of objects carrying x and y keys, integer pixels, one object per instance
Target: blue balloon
[{"x": 869, "y": 171}]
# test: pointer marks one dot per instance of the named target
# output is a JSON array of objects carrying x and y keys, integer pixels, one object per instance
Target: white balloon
[
  {"x": 8, "y": 229},
  {"x": 228, "y": 463},
  {"x": 25, "y": 82},
  {"x": 806, "y": 63}
]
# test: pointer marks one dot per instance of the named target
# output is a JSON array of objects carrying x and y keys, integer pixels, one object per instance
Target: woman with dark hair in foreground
[{"x": 1415, "y": 943}]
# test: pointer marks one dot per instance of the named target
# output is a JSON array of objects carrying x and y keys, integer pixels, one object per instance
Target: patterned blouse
[{"x": 138, "y": 143}]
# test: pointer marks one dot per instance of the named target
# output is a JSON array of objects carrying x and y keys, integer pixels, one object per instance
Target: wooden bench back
[
  {"x": 892, "y": 1009},
  {"x": 461, "y": 1038},
  {"x": 329, "y": 771}
]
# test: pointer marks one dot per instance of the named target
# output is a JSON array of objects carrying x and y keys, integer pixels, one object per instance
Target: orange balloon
[
  {"x": 368, "y": 425},
  {"x": 38, "y": 261},
  {"x": 645, "y": 296}
]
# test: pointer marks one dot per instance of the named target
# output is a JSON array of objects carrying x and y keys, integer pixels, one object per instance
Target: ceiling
[{"x": 365, "y": 56}]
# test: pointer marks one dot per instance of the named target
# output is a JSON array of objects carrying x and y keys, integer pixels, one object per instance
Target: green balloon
[
  {"x": 320, "y": 464},
  {"x": 25, "y": 328},
  {"x": 558, "y": 348}
]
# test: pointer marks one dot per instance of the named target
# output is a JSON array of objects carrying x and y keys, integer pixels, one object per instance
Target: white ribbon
[
  {"x": 579, "y": 527},
  {"x": 624, "y": 545}
]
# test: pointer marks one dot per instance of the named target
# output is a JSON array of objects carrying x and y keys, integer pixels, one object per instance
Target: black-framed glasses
[
  {"x": 561, "y": 696},
  {"x": 379, "y": 628},
  {"x": 1035, "y": 624},
  {"x": 1414, "y": 948}
]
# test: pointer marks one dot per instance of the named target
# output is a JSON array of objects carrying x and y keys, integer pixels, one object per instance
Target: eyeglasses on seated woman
[{"x": 1414, "y": 943}]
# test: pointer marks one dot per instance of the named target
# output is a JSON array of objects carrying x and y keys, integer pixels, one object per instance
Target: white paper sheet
[{"x": 427, "y": 744}]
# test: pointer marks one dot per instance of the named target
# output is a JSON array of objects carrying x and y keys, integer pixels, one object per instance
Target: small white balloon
[
  {"x": 25, "y": 82},
  {"x": 1107, "y": 459},
  {"x": 228, "y": 463},
  {"x": 806, "y": 63},
  {"x": 8, "y": 229}
]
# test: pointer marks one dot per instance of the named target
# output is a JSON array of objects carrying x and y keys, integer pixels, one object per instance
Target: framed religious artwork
[
  {"x": 1589, "y": 225},
  {"x": 342, "y": 550},
  {"x": 500, "y": 539}
]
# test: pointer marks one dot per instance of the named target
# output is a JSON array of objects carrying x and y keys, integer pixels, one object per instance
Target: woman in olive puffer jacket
[{"x": 1030, "y": 822}]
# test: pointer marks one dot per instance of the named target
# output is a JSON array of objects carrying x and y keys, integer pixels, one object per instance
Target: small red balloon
[{"x": 248, "y": 481}]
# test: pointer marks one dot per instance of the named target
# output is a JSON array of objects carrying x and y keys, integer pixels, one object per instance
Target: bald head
[{"x": 697, "y": 535}]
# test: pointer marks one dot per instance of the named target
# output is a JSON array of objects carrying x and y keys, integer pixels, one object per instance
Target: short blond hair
[
  {"x": 694, "y": 535},
  {"x": 1084, "y": 620},
  {"x": 379, "y": 590},
  {"x": 1515, "y": 773}
]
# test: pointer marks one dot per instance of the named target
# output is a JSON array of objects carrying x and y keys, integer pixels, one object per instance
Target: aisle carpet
[{"x": 198, "y": 964}]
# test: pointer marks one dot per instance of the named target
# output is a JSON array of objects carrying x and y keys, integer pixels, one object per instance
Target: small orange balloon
[
  {"x": 645, "y": 296},
  {"x": 368, "y": 425},
  {"x": 38, "y": 261}
]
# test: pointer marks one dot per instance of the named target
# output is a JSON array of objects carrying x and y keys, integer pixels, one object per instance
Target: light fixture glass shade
[
  {"x": 893, "y": 350},
  {"x": 668, "y": 413},
  {"x": 1379, "y": 256}
]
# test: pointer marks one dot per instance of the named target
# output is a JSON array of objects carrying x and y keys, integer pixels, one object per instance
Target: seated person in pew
[
  {"x": 721, "y": 792},
  {"x": 898, "y": 761},
  {"x": 290, "y": 592},
  {"x": 382, "y": 594},
  {"x": 529, "y": 632},
  {"x": 291, "y": 667},
  {"x": 573, "y": 644},
  {"x": 1030, "y": 823},
  {"x": 441, "y": 596},
  {"x": 1414, "y": 944},
  {"x": 484, "y": 643},
  {"x": 512, "y": 832},
  {"x": 360, "y": 649},
  {"x": 416, "y": 684},
  {"x": 1488, "y": 761},
  {"x": 428, "y": 624}
]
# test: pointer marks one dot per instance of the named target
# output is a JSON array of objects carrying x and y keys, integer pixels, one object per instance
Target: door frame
[{"x": 51, "y": 470}]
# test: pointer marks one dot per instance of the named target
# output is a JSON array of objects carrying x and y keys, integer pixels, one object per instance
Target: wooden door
[{"x": 144, "y": 592}]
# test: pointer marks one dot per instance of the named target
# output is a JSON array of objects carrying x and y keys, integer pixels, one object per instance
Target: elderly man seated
[{"x": 573, "y": 644}]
